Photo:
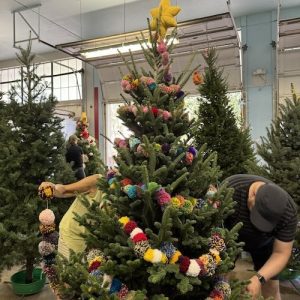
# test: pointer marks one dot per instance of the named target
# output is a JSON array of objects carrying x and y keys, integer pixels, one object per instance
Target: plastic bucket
[{"x": 20, "y": 287}]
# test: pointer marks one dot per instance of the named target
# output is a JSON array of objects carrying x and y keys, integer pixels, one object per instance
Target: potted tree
[{"x": 32, "y": 150}]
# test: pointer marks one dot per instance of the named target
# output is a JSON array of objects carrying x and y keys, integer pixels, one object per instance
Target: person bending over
[
  {"x": 269, "y": 217},
  {"x": 69, "y": 228}
]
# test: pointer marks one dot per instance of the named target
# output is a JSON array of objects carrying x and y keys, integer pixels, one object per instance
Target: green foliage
[
  {"x": 32, "y": 151},
  {"x": 280, "y": 150},
  {"x": 155, "y": 157},
  {"x": 217, "y": 125}
]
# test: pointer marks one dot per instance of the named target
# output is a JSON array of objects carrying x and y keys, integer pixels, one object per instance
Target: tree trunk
[{"x": 29, "y": 269}]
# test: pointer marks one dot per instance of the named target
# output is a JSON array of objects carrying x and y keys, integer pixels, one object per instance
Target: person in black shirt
[
  {"x": 74, "y": 156},
  {"x": 269, "y": 217}
]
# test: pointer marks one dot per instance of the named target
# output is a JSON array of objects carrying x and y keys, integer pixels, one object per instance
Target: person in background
[
  {"x": 269, "y": 217},
  {"x": 69, "y": 228},
  {"x": 74, "y": 156}
]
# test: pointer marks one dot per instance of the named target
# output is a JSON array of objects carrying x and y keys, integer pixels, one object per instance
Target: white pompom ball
[{"x": 47, "y": 217}]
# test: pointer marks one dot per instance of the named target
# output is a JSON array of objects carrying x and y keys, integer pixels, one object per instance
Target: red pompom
[
  {"x": 94, "y": 266},
  {"x": 184, "y": 264},
  {"x": 155, "y": 111},
  {"x": 129, "y": 226},
  {"x": 85, "y": 134},
  {"x": 126, "y": 181},
  {"x": 139, "y": 237}
]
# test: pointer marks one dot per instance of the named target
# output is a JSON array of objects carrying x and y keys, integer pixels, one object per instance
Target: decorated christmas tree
[
  {"x": 217, "y": 124},
  {"x": 32, "y": 151},
  {"x": 92, "y": 160},
  {"x": 160, "y": 234},
  {"x": 280, "y": 150}
]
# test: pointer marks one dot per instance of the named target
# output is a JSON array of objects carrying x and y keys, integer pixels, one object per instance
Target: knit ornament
[
  {"x": 47, "y": 217},
  {"x": 46, "y": 193}
]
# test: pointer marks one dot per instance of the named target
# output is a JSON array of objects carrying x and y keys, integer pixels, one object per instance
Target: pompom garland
[{"x": 205, "y": 265}]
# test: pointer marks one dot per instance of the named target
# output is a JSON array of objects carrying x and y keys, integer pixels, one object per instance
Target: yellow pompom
[
  {"x": 124, "y": 220},
  {"x": 216, "y": 255},
  {"x": 164, "y": 259},
  {"x": 175, "y": 257},
  {"x": 112, "y": 186},
  {"x": 175, "y": 202},
  {"x": 193, "y": 201},
  {"x": 149, "y": 254},
  {"x": 135, "y": 83}
]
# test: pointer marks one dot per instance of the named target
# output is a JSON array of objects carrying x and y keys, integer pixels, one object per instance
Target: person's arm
[
  {"x": 273, "y": 266},
  {"x": 87, "y": 184}
]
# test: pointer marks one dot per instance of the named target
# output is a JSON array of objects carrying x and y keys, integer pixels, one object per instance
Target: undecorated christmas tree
[
  {"x": 217, "y": 124},
  {"x": 280, "y": 150},
  {"x": 32, "y": 151},
  {"x": 160, "y": 234},
  {"x": 92, "y": 160}
]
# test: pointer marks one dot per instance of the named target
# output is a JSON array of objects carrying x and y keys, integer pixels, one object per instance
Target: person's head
[
  {"x": 267, "y": 205},
  {"x": 73, "y": 139}
]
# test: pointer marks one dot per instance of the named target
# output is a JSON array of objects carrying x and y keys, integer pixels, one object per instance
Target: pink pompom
[
  {"x": 124, "y": 83},
  {"x": 166, "y": 115},
  {"x": 161, "y": 47},
  {"x": 165, "y": 58},
  {"x": 47, "y": 217}
]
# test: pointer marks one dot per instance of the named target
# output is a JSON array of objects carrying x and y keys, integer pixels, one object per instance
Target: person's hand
[
  {"x": 58, "y": 189},
  {"x": 254, "y": 287},
  {"x": 46, "y": 190}
]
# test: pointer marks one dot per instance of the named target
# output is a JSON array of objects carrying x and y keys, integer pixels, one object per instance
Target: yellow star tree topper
[{"x": 164, "y": 14}]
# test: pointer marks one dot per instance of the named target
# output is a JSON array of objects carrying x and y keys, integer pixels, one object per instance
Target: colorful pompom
[
  {"x": 168, "y": 249},
  {"x": 133, "y": 141},
  {"x": 124, "y": 220},
  {"x": 47, "y": 217},
  {"x": 130, "y": 226},
  {"x": 189, "y": 157},
  {"x": 140, "y": 248},
  {"x": 125, "y": 181},
  {"x": 193, "y": 150},
  {"x": 45, "y": 229},
  {"x": 184, "y": 263},
  {"x": 51, "y": 238},
  {"x": 162, "y": 197},
  {"x": 46, "y": 248},
  {"x": 46, "y": 193}
]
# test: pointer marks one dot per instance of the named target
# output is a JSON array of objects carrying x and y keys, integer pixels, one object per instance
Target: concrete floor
[{"x": 243, "y": 271}]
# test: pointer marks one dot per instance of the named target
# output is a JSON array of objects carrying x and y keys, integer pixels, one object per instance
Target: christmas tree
[
  {"x": 280, "y": 150},
  {"x": 32, "y": 151},
  {"x": 217, "y": 125},
  {"x": 160, "y": 233},
  {"x": 92, "y": 160}
]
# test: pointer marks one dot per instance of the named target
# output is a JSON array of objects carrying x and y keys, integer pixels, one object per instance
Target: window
[
  {"x": 114, "y": 128},
  {"x": 63, "y": 74}
]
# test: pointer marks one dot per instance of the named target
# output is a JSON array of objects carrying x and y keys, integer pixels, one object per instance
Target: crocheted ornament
[
  {"x": 162, "y": 197},
  {"x": 140, "y": 248},
  {"x": 46, "y": 193},
  {"x": 116, "y": 286},
  {"x": 165, "y": 148},
  {"x": 122, "y": 294},
  {"x": 197, "y": 78},
  {"x": 168, "y": 249},
  {"x": 161, "y": 47},
  {"x": 51, "y": 238},
  {"x": 96, "y": 273},
  {"x": 133, "y": 141},
  {"x": 46, "y": 248},
  {"x": 47, "y": 217},
  {"x": 163, "y": 17},
  {"x": 130, "y": 190},
  {"x": 200, "y": 203},
  {"x": 49, "y": 259},
  {"x": 193, "y": 150},
  {"x": 93, "y": 254},
  {"x": 50, "y": 273},
  {"x": 45, "y": 229},
  {"x": 189, "y": 157}
]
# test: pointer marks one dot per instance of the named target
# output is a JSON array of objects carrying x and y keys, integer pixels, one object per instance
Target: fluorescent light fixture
[
  {"x": 291, "y": 49},
  {"x": 122, "y": 49}
]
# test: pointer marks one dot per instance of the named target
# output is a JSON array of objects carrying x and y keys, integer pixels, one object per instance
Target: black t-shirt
[
  {"x": 74, "y": 154},
  {"x": 253, "y": 238}
]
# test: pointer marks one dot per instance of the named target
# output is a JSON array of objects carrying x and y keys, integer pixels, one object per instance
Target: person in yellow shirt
[{"x": 69, "y": 228}]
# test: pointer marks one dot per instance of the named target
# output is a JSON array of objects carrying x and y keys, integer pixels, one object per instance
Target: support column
[{"x": 259, "y": 70}]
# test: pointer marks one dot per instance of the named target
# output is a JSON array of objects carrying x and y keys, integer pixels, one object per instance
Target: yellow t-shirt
[{"x": 69, "y": 228}]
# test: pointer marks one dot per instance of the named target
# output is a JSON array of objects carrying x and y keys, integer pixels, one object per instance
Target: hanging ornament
[
  {"x": 46, "y": 193},
  {"x": 197, "y": 78}
]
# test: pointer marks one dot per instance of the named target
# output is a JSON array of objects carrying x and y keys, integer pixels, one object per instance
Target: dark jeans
[{"x": 79, "y": 173}]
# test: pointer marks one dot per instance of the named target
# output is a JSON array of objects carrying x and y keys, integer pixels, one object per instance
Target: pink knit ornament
[
  {"x": 161, "y": 47},
  {"x": 47, "y": 217}
]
